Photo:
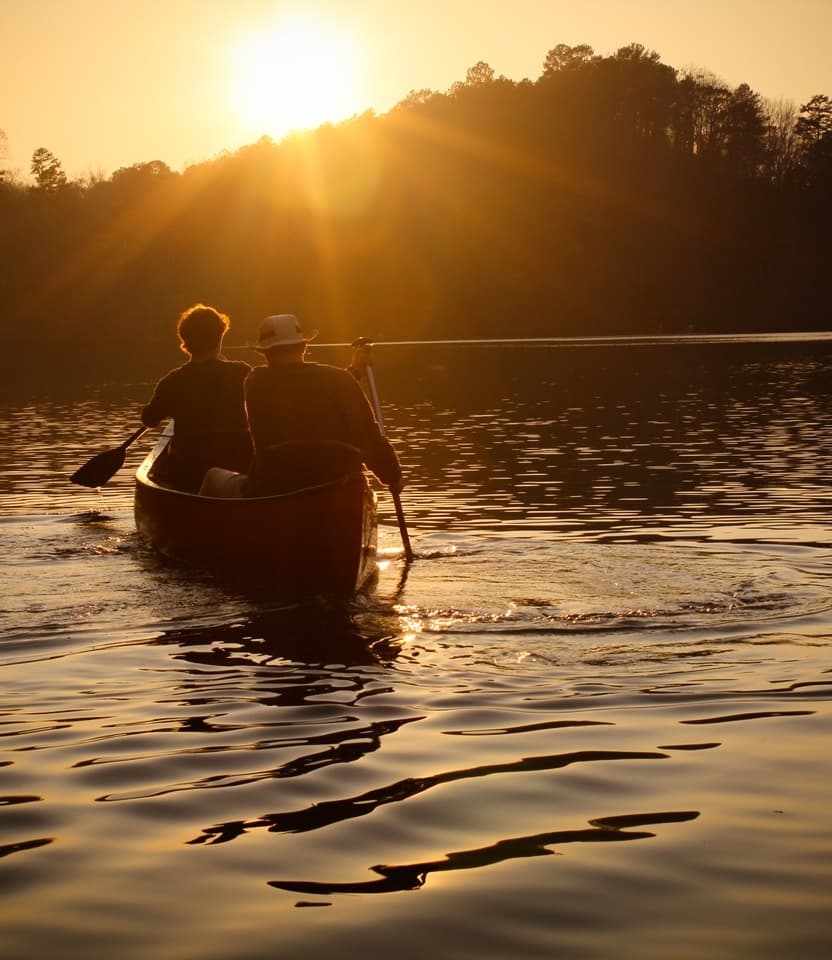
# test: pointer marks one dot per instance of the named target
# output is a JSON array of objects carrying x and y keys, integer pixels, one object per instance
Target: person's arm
[
  {"x": 382, "y": 460},
  {"x": 377, "y": 451},
  {"x": 158, "y": 408}
]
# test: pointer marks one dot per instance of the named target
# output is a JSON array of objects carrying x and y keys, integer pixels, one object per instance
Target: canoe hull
[{"x": 321, "y": 539}]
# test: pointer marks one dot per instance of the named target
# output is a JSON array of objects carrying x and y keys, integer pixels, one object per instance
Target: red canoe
[{"x": 318, "y": 538}]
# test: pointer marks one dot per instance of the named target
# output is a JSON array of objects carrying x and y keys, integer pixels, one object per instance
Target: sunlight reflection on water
[{"x": 605, "y": 680}]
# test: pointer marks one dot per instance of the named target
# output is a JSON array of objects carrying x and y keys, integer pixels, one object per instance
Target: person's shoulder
[
  {"x": 238, "y": 368},
  {"x": 176, "y": 374},
  {"x": 326, "y": 371},
  {"x": 178, "y": 371},
  {"x": 256, "y": 376},
  {"x": 218, "y": 369}
]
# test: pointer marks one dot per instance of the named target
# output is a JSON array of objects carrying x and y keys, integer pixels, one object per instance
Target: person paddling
[
  {"x": 206, "y": 399},
  {"x": 293, "y": 403}
]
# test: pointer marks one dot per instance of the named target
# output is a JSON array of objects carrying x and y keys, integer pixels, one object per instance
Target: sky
[{"x": 104, "y": 84}]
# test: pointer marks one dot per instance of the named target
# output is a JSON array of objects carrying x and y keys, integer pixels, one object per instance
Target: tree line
[{"x": 612, "y": 195}]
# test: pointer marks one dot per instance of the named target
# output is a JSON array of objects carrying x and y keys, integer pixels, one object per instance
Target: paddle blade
[{"x": 97, "y": 471}]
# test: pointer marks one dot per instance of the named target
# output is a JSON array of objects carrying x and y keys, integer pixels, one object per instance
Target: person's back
[
  {"x": 292, "y": 401},
  {"x": 206, "y": 399}
]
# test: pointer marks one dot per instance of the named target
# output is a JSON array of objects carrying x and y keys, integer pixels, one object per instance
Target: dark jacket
[
  {"x": 206, "y": 400},
  {"x": 306, "y": 402}
]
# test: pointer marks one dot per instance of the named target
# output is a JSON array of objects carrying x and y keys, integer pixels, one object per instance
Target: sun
[{"x": 296, "y": 74}]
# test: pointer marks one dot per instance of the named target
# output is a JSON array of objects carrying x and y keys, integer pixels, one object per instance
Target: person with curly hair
[{"x": 205, "y": 397}]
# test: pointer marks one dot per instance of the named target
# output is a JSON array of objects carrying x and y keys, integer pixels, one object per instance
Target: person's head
[
  {"x": 201, "y": 329},
  {"x": 280, "y": 338}
]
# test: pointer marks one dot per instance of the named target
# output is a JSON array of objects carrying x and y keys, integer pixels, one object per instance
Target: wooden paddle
[
  {"x": 100, "y": 468},
  {"x": 397, "y": 501}
]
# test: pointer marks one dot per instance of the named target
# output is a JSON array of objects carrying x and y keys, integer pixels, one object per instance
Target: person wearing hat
[
  {"x": 291, "y": 400},
  {"x": 206, "y": 399}
]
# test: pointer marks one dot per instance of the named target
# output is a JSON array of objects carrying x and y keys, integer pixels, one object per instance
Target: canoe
[{"x": 318, "y": 537}]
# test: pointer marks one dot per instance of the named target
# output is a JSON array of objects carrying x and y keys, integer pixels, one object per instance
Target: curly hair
[{"x": 201, "y": 328}]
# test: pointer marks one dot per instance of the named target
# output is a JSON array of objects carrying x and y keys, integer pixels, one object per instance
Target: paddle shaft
[
  {"x": 397, "y": 502},
  {"x": 134, "y": 437}
]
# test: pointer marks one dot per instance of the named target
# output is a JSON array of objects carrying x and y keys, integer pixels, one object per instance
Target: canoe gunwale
[
  {"x": 347, "y": 478},
  {"x": 143, "y": 477}
]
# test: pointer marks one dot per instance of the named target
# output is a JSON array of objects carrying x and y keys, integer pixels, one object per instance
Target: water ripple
[{"x": 412, "y": 876}]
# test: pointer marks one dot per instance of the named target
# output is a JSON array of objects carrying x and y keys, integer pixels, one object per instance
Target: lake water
[{"x": 591, "y": 720}]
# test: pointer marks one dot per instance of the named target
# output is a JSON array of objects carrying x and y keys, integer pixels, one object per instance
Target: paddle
[
  {"x": 397, "y": 502},
  {"x": 98, "y": 470}
]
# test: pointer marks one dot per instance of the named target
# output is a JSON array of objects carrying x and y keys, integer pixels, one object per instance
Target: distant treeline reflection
[{"x": 613, "y": 195}]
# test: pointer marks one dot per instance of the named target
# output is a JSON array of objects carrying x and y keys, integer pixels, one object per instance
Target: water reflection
[
  {"x": 304, "y": 669},
  {"x": 328, "y": 812},
  {"x": 7, "y": 849},
  {"x": 411, "y": 876},
  {"x": 342, "y": 745},
  {"x": 317, "y": 632},
  {"x": 632, "y": 436}
]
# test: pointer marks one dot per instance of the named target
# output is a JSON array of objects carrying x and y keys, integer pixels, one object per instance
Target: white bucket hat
[{"x": 281, "y": 330}]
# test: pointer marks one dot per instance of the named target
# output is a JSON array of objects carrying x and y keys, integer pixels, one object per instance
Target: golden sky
[{"x": 107, "y": 83}]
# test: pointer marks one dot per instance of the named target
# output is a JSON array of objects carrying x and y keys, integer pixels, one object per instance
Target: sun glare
[{"x": 296, "y": 74}]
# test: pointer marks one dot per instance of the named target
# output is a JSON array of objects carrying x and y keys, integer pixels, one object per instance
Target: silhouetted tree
[
  {"x": 814, "y": 123},
  {"x": 47, "y": 171},
  {"x": 477, "y": 77},
  {"x": 564, "y": 57},
  {"x": 814, "y": 133},
  {"x": 417, "y": 98},
  {"x": 781, "y": 143},
  {"x": 480, "y": 73},
  {"x": 646, "y": 89},
  {"x": 702, "y": 114},
  {"x": 637, "y": 53},
  {"x": 745, "y": 130}
]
